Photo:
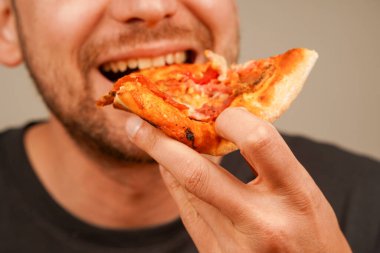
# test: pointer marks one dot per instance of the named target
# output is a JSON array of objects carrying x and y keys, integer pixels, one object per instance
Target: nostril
[
  {"x": 168, "y": 15},
  {"x": 150, "y": 22},
  {"x": 135, "y": 20}
]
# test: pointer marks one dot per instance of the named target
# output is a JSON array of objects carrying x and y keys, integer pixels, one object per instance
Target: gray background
[{"x": 341, "y": 101}]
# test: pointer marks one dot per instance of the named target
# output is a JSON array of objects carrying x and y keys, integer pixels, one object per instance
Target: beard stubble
[{"x": 73, "y": 104}]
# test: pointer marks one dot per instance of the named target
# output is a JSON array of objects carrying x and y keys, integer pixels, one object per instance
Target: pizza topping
[
  {"x": 192, "y": 88},
  {"x": 204, "y": 101},
  {"x": 205, "y": 78},
  {"x": 255, "y": 72}
]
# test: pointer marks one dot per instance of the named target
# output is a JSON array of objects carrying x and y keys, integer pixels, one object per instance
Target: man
[{"x": 91, "y": 180}]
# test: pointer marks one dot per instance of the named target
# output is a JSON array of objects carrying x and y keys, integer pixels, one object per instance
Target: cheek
[
  {"x": 54, "y": 33},
  {"x": 74, "y": 21},
  {"x": 59, "y": 27}
]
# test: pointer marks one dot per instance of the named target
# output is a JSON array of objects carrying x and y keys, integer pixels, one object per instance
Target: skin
[{"x": 282, "y": 210}]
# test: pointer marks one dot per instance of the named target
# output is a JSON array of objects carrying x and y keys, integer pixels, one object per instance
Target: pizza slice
[{"x": 183, "y": 100}]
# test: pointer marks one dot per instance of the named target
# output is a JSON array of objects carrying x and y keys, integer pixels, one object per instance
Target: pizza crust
[
  {"x": 291, "y": 71},
  {"x": 267, "y": 102}
]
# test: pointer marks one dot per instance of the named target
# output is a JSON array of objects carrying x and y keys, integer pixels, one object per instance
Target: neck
[{"x": 113, "y": 196}]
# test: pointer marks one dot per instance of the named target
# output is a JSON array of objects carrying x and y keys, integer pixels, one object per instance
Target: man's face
[{"x": 73, "y": 47}]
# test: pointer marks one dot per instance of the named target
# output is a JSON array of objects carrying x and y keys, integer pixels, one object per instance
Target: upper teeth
[{"x": 144, "y": 63}]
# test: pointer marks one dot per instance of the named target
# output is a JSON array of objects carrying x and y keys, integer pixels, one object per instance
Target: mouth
[{"x": 114, "y": 70}]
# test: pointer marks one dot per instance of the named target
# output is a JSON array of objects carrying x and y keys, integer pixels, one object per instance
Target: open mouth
[{"x": 117, "y": 69}]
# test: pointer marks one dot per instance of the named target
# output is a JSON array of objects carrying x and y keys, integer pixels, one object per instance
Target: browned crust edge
[{"x": 292, "y": 69}]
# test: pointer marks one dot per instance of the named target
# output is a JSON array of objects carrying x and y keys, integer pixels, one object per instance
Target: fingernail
[{"x": 132, "y": 125}]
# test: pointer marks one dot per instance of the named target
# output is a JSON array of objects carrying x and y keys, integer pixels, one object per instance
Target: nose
[{"x": 142, "y": 11}]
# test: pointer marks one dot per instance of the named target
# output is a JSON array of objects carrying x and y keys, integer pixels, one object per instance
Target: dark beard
[
  {"x": 81, "y": 118},
  {"x": 87, "y": 131},
  {"x": 95, "y": 139}
]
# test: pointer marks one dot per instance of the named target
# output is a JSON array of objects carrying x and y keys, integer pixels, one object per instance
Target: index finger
[
  {"x": 195, "y": 173},
  {"x": 262, "y": 146}
]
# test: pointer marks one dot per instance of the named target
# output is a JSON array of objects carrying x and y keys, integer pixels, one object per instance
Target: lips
[{"x": 114, "y": 70}]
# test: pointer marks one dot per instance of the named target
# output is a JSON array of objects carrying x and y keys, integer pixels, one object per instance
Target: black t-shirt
[{"x": 31, "y": 221}]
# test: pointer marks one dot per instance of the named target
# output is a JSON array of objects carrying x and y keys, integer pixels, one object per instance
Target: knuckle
[
  {"x": 260, "y": 138},
  {"x": 313, "y": 199},
  {"x": 278, "y": 241},
  {"x": 196, "y": 179},
  {"x": 277, "y": 238},
  {"x": 306, "y": 201}
]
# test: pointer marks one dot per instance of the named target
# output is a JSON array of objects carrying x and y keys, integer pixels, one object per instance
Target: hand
[{"x": 281, "y": 210}]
